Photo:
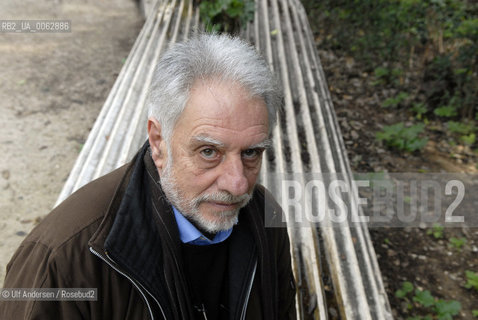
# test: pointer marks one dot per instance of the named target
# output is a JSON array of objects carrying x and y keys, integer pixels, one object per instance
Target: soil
[
  {"x": 405, "y": 254},
  {"x": 52, "y": 87}
]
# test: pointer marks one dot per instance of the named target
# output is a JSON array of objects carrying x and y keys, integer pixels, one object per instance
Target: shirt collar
[{"x": 188, "y": 233}]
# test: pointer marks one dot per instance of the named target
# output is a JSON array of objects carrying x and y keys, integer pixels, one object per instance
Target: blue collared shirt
[{"x": 188, "y": 233}]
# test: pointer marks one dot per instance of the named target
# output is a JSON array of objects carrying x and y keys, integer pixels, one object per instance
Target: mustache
[{"x": 223, "y": 197}]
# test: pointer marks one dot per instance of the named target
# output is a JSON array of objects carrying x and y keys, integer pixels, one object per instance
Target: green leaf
[
  {"x": 407, "y": 287},
  {"x": 468, "y": 28},
  {"x": 235, "y": 9},
  {"x": 395, "y": 101},
  {"x": 381, "y": 72},
  {"x": 461, "y": 71},
  {"x": 457, "y": 242},
  {"x": 460, "y": 127},
  {"x": 474, "y": 313},
  {"x": 436, "y": 231},
  {"x": 402, "y": 138},
  {"x": 417, "y": 144},
  {"x": 225, "y": 15},
  {"x": 471, "y": 280},
  {"x": 468, "y": 139},
  {"x": 424, "y": 298},
  {"x": 445, "y": 111},
  {"x": 447, "y": 309},
  {"x": 411, "y": 132},
  {"x": 389, "y": 102},
  {"x": 419, "y": 108}
]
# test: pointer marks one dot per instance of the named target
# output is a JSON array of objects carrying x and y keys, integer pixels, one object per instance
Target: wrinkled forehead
[{"x": 222, "y": 110}]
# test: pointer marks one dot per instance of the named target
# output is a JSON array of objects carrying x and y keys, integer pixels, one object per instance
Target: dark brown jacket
[{"x": 111, "y": 236}]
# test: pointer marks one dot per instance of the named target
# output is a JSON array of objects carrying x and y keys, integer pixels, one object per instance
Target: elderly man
[{"x": 179, "y": 232}]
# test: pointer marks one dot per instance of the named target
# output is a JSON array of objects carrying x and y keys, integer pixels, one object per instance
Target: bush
[
  {"x": 435, "y": 41},
  {"x": 403, "y": 138},
  {"x": 226, "y": 15}
]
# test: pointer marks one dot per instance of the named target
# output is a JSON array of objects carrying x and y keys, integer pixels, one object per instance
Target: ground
[
  {"x": 405, "y": 254},
  {"x": 53, "y": 86}
]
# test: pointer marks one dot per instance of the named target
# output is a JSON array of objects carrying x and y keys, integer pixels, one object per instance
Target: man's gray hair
[{"x": 208, "y": 57}]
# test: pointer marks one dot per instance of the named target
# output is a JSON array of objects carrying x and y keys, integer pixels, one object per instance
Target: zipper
[
  {"x": 138, "y": 286},
  {"x": 244, "y": 307},
  {"x": 202, "y": 309}
]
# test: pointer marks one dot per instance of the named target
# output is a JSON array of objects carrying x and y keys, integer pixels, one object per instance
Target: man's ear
[{"x": 157, "y": 143}]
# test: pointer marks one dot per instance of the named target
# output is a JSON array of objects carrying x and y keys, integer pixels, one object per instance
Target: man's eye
[
  {"x": 251, "y": 153},
  {"x": 208, "y": 153}
]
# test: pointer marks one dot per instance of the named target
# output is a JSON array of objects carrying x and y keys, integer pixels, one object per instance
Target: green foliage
[
  {"x": 474, "y": 313},
  {"x": 385, "y": 76},
  {"x": 436, "y": 308},
  {"x": 381, "y": 72},
  {"x": 403, "y": 138},
  {"x": 435, "y": 41},
  {"x": 226, "y": 15},
  {"x": 468, "y": 28},
  {"x": 445, "y": 111},
  {"x": 471, "y": 280},
  {"x": 447, "y": 309},
  {"x": 459, "y": 127},
  {"x": 424, "y": 298},
  {"x": 457, "y": 243},
  {"x": 468, "y": 139},
  {"x": 395, "y": 101},
  {"x": 419, "y": 109},
  {"x": 407, "y": 287},
  {"x": 436, "y": 231},
  {"x": 465, "y": 130}
]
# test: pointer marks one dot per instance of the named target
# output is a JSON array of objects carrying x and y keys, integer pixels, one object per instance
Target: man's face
[{"x": 215, "y": 154}]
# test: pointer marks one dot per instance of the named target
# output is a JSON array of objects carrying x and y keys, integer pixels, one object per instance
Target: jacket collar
[{"x": 128, "y": 235}]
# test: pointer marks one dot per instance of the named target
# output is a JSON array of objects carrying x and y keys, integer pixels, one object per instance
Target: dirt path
[{"x": 52, "y": 86}]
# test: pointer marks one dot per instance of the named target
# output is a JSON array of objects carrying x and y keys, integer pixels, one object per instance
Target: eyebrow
[
  {"x": 206, "y": 139},
  {"x": 266, "y": 144}
]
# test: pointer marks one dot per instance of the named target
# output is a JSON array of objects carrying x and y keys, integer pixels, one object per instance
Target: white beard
[{"x": 223, "y": 220}]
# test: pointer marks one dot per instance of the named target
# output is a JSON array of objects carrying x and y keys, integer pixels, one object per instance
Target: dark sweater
[{"x": 206, "y": 268}]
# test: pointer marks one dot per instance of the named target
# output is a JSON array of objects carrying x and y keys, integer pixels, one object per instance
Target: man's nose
[{"x": 232, "y": 178}]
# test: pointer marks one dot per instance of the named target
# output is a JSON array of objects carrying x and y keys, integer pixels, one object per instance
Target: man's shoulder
[
  {"x": 60, "y": 240},
  {"x": 80, "y": 213}
]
